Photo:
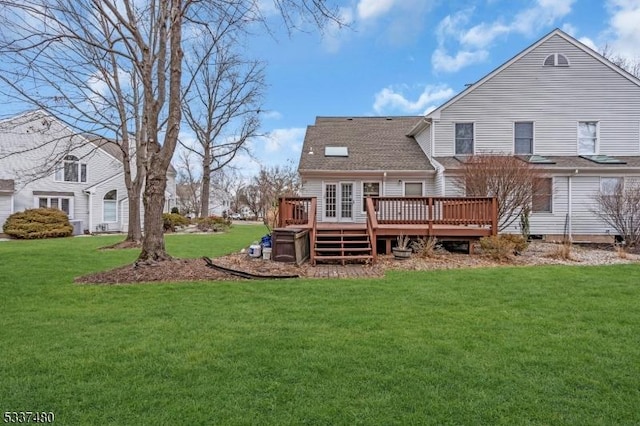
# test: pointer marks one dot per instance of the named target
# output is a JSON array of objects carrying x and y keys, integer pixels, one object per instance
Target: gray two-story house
[{"x": 557, "y": 104}]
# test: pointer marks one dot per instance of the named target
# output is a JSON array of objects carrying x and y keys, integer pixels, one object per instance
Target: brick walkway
[{"x": 347, "y": 271}]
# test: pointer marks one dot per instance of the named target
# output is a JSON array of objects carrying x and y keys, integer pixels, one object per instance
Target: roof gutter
[{"x": 422, "y": 124}]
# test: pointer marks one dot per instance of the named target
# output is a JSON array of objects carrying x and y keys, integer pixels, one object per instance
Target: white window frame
[
  {"x": 533, "y": 136},
  {"x": 596, "y": 148},
  {"x": 59, "y": 175},
  {"x": 362, "y": 196},
  {"x": 404, "y": 187},
  {"x": 36, "y": 202},
  {"x": 114, "y": 202},
  {"x": 455, "y": 145},
  {"x": 551, "y": 204}
]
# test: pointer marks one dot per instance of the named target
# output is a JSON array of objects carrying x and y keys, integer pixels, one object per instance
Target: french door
[{"x": 338, "y": 202}]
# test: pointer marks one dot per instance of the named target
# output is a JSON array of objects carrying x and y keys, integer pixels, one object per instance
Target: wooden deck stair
[{"x": 343, "y": 245}]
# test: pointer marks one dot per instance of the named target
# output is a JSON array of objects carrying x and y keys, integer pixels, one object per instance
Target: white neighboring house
[
  {"x": 219, "y": 202},
  {"x": 86, "y": 181},
  {"x": 558, "y": 105}
]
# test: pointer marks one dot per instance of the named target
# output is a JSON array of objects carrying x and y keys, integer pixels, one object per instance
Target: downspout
[
  {"x": 383, "y": 191},
  {"x": 570, "y": 206},
  {"x": 90, "y": 194}
]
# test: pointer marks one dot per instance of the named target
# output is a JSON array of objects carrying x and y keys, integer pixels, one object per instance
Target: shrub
[
  {"x": 562, "y": 252},
  {"x": 38, "y": 223},
  {"x": 175, "y": 210},
  {"x": 213, "y": 224},
  {"x": 519, "y": 242},
  {"x": 172, "y": 220},
  {"x": 425, "y": 247},
  {"x": 497, "y": 247}
]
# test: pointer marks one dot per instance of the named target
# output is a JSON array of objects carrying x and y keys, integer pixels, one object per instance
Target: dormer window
[{"x": 556, "y": 60}]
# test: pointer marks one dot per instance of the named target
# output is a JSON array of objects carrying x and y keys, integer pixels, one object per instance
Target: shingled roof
[{"x": 373, "y": 143}]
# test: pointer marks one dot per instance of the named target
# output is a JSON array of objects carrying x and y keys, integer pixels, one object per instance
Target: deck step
[
  {"x": 340, "y": 250},
  {"x": 347, "y": 245},
  {"x": 358, "y": 257}
]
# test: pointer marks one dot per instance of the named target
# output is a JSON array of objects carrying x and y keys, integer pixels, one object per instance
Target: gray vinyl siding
[
  {"x": 542, "y": 223},
  {"x": 555, "y": 98},
  {"x": 390, "y": 187},
  {"x": 424, "y": 140},
  {"x": 35, "y": 148},
  {"x": 5, "y": 208},
  {"x": 584, "y": 220}
]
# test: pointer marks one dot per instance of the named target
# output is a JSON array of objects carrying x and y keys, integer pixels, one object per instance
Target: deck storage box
[{"x": 290, "y": 245}]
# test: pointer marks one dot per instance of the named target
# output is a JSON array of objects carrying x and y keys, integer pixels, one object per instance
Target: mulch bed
[{"x": 197, "y": 270}]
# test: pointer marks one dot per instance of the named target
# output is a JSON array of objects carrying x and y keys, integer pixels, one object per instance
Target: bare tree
[
  {"x": 187, "y": 185},
  {"x": 221, "y": 108},
  {"x": 621, "y": 210},
  {"x": 511, "y": 180},
  {"x": 267, "y": 186},
  {"x": 58, "y": 53},
  {"x": 65, "y": 58},
  {"x": 630, "y": 65}
]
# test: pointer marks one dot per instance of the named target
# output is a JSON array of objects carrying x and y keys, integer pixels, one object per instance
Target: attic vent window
[
  {"x": 336, "y": 151},
  {"x": 556, "y": 60}
]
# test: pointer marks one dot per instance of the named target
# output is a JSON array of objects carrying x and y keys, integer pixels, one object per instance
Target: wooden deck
[{"x": 446, "y": 218}]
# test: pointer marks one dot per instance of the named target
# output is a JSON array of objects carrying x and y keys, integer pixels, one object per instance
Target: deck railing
[
  {"x": 296, "y": 210},
  {"x": 480, "y": 211}
]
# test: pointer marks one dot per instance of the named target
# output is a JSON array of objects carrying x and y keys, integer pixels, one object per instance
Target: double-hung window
[
  {"x": 542, "y": 200},
  {"x": 71, "y": 170},
  {"x": 523, "y": 137},
  {"x": 109, "y": 207},
  {"x": 587, "y": 137},
  {"x": 611, "y": 185},
  {"x": 464, "y": 138}
]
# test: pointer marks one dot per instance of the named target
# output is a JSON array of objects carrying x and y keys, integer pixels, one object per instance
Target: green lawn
[{"x": 544, "y": 345}]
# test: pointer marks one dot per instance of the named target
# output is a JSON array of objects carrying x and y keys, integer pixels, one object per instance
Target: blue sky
[{"x": 405, "y": 57}]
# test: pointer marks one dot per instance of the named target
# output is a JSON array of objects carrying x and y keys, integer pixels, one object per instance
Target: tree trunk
[
  {"x": 206, "y": 184},
  {"x": 153, "y": 249},
  {"x": 134, "y": 232}
]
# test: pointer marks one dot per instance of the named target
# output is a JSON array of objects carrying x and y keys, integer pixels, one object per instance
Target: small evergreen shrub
[
  {"x": 213, "y": 224},
  {"x": 175, "y": 210},
  {"x": 38, "y": 223},
  {"x": 173, "y": 220}
]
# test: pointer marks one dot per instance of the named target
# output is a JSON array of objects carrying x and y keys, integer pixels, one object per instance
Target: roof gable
[{"x": 435, "y": 114}]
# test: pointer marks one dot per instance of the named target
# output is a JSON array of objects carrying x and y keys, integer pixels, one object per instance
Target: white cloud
[
  {"x": 285, "y": 140},
  {"x": 624, "y": 27},
  {"x": 369, "y": 9},
  {"x": 482, "y": 35},
  {"x": 390, "y": 100},
  {"x": 471, "y": 44},
  {"x": 589, "y": 43},
  {"x": 442, "y": 61}
]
